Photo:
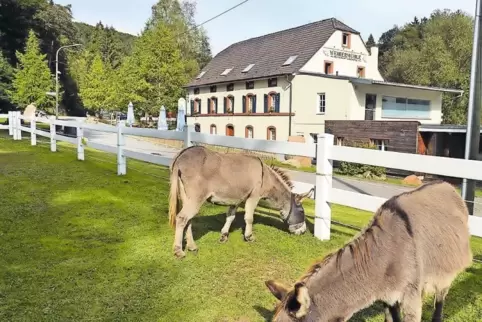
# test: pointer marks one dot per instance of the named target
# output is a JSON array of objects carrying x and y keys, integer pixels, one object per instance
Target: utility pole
[
  {"x": 473, "y": 114},
  {"x": 57, "y": 78}
]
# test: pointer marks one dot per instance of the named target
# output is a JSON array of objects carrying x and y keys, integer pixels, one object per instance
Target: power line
[{"x": 222, "y": 13}]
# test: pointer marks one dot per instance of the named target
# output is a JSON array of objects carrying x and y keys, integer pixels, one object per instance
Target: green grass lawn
[{"x": 79, "y": 243}]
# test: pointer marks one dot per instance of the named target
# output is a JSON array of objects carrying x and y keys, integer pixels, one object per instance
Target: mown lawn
[{"x": 79, "y": 243}]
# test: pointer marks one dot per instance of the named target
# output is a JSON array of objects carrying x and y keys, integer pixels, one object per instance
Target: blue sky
[{"x": 258, "y": 17}]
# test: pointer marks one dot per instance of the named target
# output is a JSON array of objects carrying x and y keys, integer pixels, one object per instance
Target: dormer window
[
  {"x": 290, "y": 60},
  {"x": 248, "y": 68},
  {"x": 226, "y": 71},
  {"x": 201, "y": 74},
  {"x": 346, "y": 40}
]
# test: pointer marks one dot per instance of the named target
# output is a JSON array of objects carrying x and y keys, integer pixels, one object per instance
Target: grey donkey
[
  {"x": 417, "y": 243},
  {"x": 236, "y": 180}
]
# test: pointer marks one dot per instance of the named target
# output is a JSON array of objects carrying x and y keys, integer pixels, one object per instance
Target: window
[
  {"x": 248, "y": 68},
  {"x": 339, "y": 141},
  {"x": 213, "y": 129},
  {"x": 271, "y": 133},
  {"x": 328, "y": 67},
  {"x": 290, "y": 60},
  {"x": 360, "y": 71},
  {"x": 226, "y": 71},
  {"x": 402, "y": 107},
  {"x": 230, "y": 87},
  {"x": 213, "y": 89},
  {"x": 380, "y": 144},
  {"x": 201, "y": 74},
  {"x": 272, "y": 102},
  {"x": 197, "y": 127},
  {"x": 321, "y": 106},
  {"x": 229, "y": 104},
  {"x": 197, "y": 106},
  {"x": 196, "y": 91},
  {"x": 249, "y": 103},
  {"x": 229, "y": 130},
  {"x": 250, "y": 85},
  {"x": 346, "y": 40},
  {"x": 272, "y": 82},
  {"x": 249, "y": 132},
  {"x": 212, "y": 105}
]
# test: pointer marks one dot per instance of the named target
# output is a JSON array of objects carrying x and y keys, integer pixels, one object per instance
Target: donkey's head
[
  {"x": 294, "y": 214},
  {"x": 295, "y": 303}
]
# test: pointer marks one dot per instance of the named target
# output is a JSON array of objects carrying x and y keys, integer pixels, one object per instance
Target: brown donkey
[
  {"x": 199, "y": 174},
  {"x": 417, "y": 243}
]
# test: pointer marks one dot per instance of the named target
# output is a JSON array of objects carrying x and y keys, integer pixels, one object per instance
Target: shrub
[{"x": 361, "y": 170}]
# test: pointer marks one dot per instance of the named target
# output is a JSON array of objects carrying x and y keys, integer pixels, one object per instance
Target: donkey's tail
[{"x": 174, "y": 196}]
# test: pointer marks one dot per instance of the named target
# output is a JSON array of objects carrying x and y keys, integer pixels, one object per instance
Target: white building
[{"x": 289, "y": 82}]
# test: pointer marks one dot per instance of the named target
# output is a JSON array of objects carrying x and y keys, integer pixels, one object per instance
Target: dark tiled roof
[{"x": 269, "y": 52}]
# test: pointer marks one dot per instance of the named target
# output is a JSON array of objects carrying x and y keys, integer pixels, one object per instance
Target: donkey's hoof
[
  {"x": 224, "y": 238},
  {"x": 193, "y": 249},
  {"x": 179, "y": 253},
  {"x": 249, "y": 238}
]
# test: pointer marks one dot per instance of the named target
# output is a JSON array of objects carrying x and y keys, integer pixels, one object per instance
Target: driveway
[{"x": 377, "y": 189}]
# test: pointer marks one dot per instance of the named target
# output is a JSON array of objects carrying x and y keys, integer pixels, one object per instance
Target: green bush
[{"x": 361, "y": 170}]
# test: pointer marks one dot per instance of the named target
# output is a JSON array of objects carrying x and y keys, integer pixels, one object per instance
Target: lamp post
[{"x": 57, "y": 77}]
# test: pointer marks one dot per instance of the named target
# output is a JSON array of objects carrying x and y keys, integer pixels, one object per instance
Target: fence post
[
  {"x": 80, "y": 144},
  {"x": 19, "y": 124},
  {"x": 10, "y": 123},
  {"x": 33, "y": 128},
  {"x": 324, "y": 178},
  {"x": 53, "y": 141},
  {"x": 121, "y": 159},
  {"x": 187, "y": 139}
]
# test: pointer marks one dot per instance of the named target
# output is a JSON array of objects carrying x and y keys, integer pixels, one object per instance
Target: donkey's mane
[
  {"x": 358, "y": 247},
  {"x": 283, "y": 176}
]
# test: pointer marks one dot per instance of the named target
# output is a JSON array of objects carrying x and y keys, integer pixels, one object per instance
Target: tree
[
  {"x": 32, "y": 78},
  {"x": 434, "y": 52},
  {"x": 97, "y": 87},
  {"x": 6, "y": 72},
  {"x": 370, "y": 43}
]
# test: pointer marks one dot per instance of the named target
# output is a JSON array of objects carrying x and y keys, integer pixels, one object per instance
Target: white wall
[
  {"x": 260, "y": 125},
  {"x": 358, "y": 109},
  {"x": 260, "y": 88},
  {"x": 339, "y": 94},
  {"x": 345, "y": 67}
]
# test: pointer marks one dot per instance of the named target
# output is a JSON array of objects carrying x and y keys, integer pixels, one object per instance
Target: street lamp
[{"x": 57, "y": 77}]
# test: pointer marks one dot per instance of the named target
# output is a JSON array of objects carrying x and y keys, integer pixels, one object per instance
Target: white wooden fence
[{"x": 325, "y": 152}]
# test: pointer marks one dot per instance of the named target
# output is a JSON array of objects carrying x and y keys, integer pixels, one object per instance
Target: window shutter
[
  {"x": 192, "y": 107},
  {"x": 254, "y": 104},
  {"x": 225, "y": 104},
  {"x": 244, "y": 104},
  {"x": 277, "y": 103},
  {"x": 209, "y": 105},
  {"x": 232, "y": 105},
  {"x": 199, "y": 106},
  {"x": 266, "y": 103},
  {"x": 216, "y": 107}
]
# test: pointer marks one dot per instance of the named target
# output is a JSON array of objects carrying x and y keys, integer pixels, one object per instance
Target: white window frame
[
  {"x": 380, "y": 143},
  {"x": 318, "y": 102}
]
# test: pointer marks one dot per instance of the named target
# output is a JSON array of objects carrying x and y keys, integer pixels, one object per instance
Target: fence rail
[{"x": 324, "y": 151}]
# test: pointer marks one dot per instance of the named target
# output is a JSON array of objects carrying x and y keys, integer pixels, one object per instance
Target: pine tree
[
  {"x": 370, "y": 43},
  {"x": 32, "y": 78},
  {"x": 97, "y": 87}
]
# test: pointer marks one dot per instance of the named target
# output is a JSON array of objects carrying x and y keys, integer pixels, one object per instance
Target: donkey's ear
[
  {"x": 299, "y": 302},
  {"x": 278, "y": 289},
  {"x": 303, "y": 196}
]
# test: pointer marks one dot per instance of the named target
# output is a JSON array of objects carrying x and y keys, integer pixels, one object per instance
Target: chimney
[{"x": 374, "y": 55}]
